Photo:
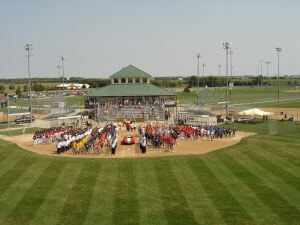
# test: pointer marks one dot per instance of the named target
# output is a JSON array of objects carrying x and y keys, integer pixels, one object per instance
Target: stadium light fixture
[
  {"x": 227, "y": 47},
  {"x": 278, "y": 51},
  {"x": 28, "y": 49}
]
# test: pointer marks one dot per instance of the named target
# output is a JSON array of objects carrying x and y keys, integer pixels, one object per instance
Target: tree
[
  {"x": 2, "y": 89},
  {"x": 186, "y": 90},
  {"x": 83, "y": 86},
  {"x": 19, "y": 91},
  {"x": 11, "y": 87},
  {"x": 35, "y": 87},
  {"x": 25, "y": 88}
]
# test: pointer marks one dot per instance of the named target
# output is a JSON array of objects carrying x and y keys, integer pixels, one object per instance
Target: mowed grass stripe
[
  {"x": 283, "y": 152},
  {"x": 49, "y": 211},
  {"x": 272, "y": 168},
  {"x": 79, "y": 197},
  {"x": 34, "y": 197},
  {"x": 11, "y": 197},
  {"x": 278, "y": 161},
  {"x": 101, "y": 207},
  {"x": 151, "y": 208},
  {"x": 7, "y": 165},
  {"x": 125, "y": 209},
  {"x": 4, "y": 155},
  {"x": 260, "y": 213},
  {"x": 203, "y": 208},
  {"x": 8, "y": 178},
  {"x": 230, "y": 209},
  {"x": 176, "y": 208},
  {"x": 284, "y": 190},
  {"x": 283, "y": 209}
]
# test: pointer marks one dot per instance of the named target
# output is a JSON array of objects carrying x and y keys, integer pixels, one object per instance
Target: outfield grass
[
  {"x": 281, "y": 104},
  {"x": 241, "y": 95},
  {"x": 254, "y": 182},
  {"x": 4, "y": 125},
  {"x": 69, "y": 100},
  {"x": 16, "y": 132}
]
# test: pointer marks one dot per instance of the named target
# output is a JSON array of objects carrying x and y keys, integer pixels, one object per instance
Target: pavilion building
[{"x": 131, "y": 95}]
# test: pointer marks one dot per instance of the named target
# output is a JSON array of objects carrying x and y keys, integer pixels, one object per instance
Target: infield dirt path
[{"x": 183, "y": 147}]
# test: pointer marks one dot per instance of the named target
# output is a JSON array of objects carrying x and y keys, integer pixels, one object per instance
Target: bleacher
[{"x": 130, "y": 112}]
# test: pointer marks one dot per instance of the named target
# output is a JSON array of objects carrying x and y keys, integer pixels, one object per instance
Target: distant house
[
  {"x": 73, "y": 86},
  {"x": 3, "y": 101}
]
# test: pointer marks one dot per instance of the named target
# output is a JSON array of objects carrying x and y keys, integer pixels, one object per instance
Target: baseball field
[{"x": 256, "y": 181}]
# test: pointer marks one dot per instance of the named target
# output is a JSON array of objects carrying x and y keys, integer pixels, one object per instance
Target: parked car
[{"x": 24, "y": 119}]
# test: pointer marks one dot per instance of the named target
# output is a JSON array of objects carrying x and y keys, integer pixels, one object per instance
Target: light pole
[
  {"x": 231, "y": 67},
  {"x": 198, "y": 78},
  {"x": 267, "y": 64},
  {"x": 63, "y": 75},
  {"x": 203, "y": 74},
  {"x": 278, "y": 51},
  {"x": 226, "y": 46},
  {"x": 219, "y": 74},
  {"x": 28, "y": 49},
  {"x": 261, "y": 71}
]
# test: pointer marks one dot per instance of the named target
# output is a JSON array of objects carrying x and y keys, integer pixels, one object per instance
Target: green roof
[
  {"x": 131, "y": 72},
  {"x": 130, "y": 90}
]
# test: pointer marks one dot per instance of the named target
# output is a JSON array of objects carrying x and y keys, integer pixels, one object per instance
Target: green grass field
[
  {"x": 16, "y": 132},
  {"x": 254, "y": 182},
  {"x": 240, "y": 95},
  {"x": 69, "y": 100}
]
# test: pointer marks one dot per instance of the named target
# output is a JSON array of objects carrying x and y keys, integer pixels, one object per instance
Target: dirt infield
[{"x": 183, "y": 147}]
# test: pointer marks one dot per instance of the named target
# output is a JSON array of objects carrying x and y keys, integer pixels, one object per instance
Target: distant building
[{"x": 73, "y": 86}]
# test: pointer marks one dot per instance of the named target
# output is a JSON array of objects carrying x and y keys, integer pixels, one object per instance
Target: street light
[
  {"x": 28, "y": 49},
  {"x": 226, "y": 46},
  {"x": 278, "y": 51},
  {"x": 198, "y": 96},
  {"x": 267, "y": 64}
]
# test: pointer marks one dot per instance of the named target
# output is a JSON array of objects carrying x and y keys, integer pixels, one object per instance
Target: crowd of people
[
  {"x": 79, "y": 140},
  {"x": 166, "y": 136},
  {"x": 95, "y": 140}
]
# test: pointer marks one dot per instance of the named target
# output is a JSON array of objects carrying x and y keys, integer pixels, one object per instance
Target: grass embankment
[{"x": 254, "y": 182}]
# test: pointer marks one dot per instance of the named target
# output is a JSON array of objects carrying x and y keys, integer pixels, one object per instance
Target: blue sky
[{"x": 161, "y": 37}]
